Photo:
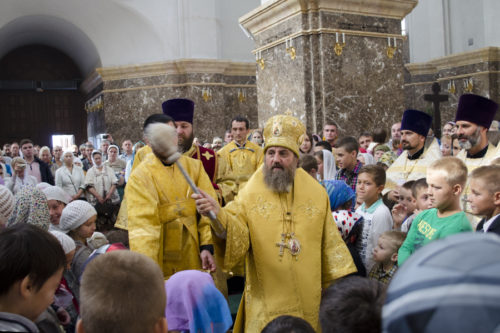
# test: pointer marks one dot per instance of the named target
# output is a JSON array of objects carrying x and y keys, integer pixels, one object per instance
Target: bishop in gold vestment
[
  {"x": 290, "y": 243},
  {"x": 162, "y": 219}
]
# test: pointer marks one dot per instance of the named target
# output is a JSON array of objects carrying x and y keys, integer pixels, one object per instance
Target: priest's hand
[
  {"x": 207, "y": 261},
  {"x": 205, "y": 203}
]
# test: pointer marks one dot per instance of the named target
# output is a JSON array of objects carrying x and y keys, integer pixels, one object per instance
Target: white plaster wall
[
  {"x": 491, "y": 12},
  {"x": 442, "y": 27},
  {"x": 466, "y": 20},
  {"x": 234, "y": 44},
  {"x": 125, "y": 32},
  {"x": 426, "y": 31}
]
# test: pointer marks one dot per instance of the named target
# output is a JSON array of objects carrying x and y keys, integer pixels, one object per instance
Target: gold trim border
[
  {"x": 328, "y": 31},
  {"x": 173, "y": 67},
  {"x": 275, "y": 12},
  {"x": 181, "y": 66},
  {"x": 176, "y": 85},
  {"x": 487, "y": 54},
  {"x": 455, "y": 77}
]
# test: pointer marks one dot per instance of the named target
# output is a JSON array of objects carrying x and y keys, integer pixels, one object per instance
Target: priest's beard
[
  {"x": 471, "y": 140},
  {"x": 279, "y": 178},
  {"x": 185, "y": 143}
]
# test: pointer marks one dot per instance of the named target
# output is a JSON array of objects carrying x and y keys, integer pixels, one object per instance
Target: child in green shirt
[{"x": 446, "y": 179}]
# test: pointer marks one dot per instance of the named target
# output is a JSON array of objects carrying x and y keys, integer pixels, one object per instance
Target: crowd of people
[{"x": 325, "y": 231}]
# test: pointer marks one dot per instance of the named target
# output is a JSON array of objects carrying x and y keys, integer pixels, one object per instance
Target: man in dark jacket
[{"x": 36, "y": 167}]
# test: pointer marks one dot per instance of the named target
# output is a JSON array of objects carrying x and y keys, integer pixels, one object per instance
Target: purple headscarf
[{"x": 195, "y": 304}]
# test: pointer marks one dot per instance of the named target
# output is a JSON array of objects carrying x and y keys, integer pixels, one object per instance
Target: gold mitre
[{"x": 284, "y": 130}]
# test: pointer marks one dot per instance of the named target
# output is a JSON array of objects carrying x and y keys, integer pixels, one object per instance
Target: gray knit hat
[
  {"x": 6, "y": 204},
  {"x": 75, "y": 214}
]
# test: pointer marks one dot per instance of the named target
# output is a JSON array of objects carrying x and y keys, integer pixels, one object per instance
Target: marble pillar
[
  {"x": 360, "y": 86},
  {"x": 475, "y": 72},
  {"x": 120, "y": 99}
]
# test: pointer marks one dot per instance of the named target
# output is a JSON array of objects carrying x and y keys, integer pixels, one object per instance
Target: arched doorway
[{"x": 39, "y": 96}]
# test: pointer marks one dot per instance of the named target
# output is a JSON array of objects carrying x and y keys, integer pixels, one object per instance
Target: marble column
[
  {"x": 473, "y": 72},
  {"x": 360, "y": 87},
  {"x": 119, "y": 99}
]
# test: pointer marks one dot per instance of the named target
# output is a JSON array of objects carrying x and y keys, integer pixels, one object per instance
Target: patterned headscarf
[
  {"x": 194, "y": 304},
  {"x": 346, "y": 221},
  {"x": 31, "y": 207},
  {"x": 338, "y": 192},
  {"x": 387, "y": 158}
]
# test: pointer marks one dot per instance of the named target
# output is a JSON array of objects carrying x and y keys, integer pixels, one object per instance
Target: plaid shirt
[
  {"x": 377, "y": 273},
  {"x": 349, "y": 177}
]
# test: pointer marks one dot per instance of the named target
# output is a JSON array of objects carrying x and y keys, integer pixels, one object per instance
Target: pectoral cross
[
  {"x": 282, "y": 245},
  {"x": 178, "y": 208}
]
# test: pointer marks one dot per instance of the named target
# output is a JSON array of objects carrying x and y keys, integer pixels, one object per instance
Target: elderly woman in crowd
[
  {"x": 46, "y": 157},
  {"x": 19, "y": 178},
  {"x": 56, "y": 159},
  {"x": 70, "y": 177},
  {"x": 118, "y": 165},
  {"x": 100, "y": 183}
]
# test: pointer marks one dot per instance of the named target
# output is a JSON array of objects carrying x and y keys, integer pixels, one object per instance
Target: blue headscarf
[
  {"x": 194, "y": 304},
  {"x": 338, "y": 192}
]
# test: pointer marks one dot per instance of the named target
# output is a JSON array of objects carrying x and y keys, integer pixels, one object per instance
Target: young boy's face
[
  {"x": 482, "y": 201},
  {"x": 440, "y": 192},
  {"x": 384, "y": 252},
  {"x": 345, "y": 159},
  {"x": 87, "y": 229},
  {"x": 366, "y": 189},
  {"x": 423, "y": 200},
  {"x": 406, "y": 199},
  {"x": 40, "y": 299}
]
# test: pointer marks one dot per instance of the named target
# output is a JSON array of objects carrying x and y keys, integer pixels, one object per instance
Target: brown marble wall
[
  {"x": 362, "y": 89},
  {"x": 128, "y": 102},
  {"x": 481, "y": 65}
]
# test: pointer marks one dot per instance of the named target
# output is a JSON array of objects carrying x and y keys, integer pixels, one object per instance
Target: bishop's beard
[{"x": 279, "y": 178}]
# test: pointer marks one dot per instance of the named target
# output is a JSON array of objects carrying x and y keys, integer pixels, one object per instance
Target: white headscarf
[
  {"x": 67, "y": 151},
  {"x": 369, "y": 159},
  {"x": 329, "y": 167},
  {"x": 93, "y": 161}
]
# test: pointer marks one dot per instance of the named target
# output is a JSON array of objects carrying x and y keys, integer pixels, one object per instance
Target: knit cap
[
  {"x": 75, "y": 214},
  {"x": 97, "y": 240},
  {"x": 56, "y": 193},
  {"x": 6, "y": 204},
  {"x": 67, "y": 243}
]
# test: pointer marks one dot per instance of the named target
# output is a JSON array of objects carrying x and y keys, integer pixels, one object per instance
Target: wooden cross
[{"x": 436, "y": 99}]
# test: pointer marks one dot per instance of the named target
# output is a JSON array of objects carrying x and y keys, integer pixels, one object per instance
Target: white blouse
[
  {"x": 70, "y": 182},
  {"x": 101, "y": 180}
]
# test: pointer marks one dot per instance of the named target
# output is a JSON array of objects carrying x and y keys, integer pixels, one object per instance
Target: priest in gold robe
[
  {"x": 413, "y": 162},
  {"x": 139, "y": 156},
  {"x": 238, "y": 160},
  {"x": 282, "y": 225},
  {"x": 162, "y": 220},
  {"x": 473, "y": 119}
]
